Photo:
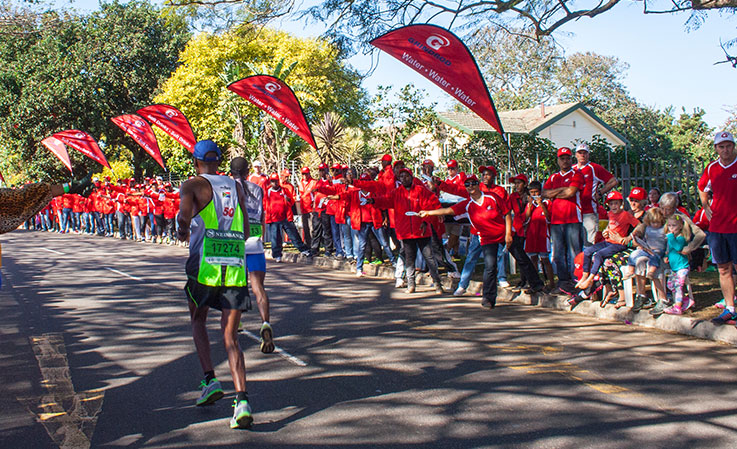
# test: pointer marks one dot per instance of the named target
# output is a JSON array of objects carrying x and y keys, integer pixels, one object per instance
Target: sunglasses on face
[{"x": 470, "y": 183}]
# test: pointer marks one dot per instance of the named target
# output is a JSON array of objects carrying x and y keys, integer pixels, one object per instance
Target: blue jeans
[
  {"x": 66, "y": 219},
  {"x": 567, "y": 243},
  {"x": 275, "y": 235},
  {"x": 337, "y": 239},
  {"x": 491, "y": 251},
  {"x": 474, "y": 252},
  {"x": 363, "y": 237},
  {"x": 345, "y": 231},
  {"x": 501, "y": 260}
]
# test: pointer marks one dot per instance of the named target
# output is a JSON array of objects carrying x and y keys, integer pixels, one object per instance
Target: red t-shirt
[
  {"x": 620, "y": 223},
  {"x": 700, "y": 220},
  {"x": 518, "y": 207},
  {"x": 593, "y": 175},
  {"x": 722, "y": 181},
  {"x": 278, "y": 203},
  {"x": 458, "y": 179},
  {"x": 259, "y": 180},
  {"x": 486, "y": 217},
  {"x": 566, "y": 210},
  {"x": 538, "y": 230}
]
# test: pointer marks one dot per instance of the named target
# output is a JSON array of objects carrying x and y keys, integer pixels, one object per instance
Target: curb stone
[{"x": 685, "y": 325}]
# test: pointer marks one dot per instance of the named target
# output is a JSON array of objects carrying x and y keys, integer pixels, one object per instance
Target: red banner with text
[
  {"x": 440, "y": 56},
  {"x": 141, "y": 132},
  {"x": 170, "y": 120},
  {"x": 84, "y": 143},
  {"x": 59, "y": 149},
  {"x": 277, "y": 99}
]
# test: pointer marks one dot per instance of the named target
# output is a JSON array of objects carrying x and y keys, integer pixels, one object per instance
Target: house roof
[{"x": 521, "y": 121}]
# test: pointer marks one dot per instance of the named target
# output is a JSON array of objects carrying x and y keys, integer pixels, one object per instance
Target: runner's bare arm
[
  {"x": 186, "y": 209},
  {"x": 242, "y": 204}
]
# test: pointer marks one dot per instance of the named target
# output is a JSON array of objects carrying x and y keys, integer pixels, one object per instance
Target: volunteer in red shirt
[
  {"x": 335, "y": 209},
  {"x": 258, "y": 177},
  {"x": 307, "y": 186},
  {"x": 454, "y": 230},
  {"x": 566, "y": 230},
  {"x": 720, "y": 178},
  {"x": 365, "y": 218},
  {"x": 638, "y": 200},
  {"x": 491, "y": 221},
  {"x": 528, "y": 271},
  {"x": 597, "y": 183},
  {"x": 386, "y": 175},
  {"x": 278, "y": 210},
  {"x": 321, "y": 232},
  {"x": 621, "y": 224},
  {"x": 407, "y": 200}
]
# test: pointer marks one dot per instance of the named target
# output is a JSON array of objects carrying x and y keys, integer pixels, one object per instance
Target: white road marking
[
  {"x": 123, "y": 274},
  {"x": 53, "y": 251},
  {"x": 284, "y": 354}
]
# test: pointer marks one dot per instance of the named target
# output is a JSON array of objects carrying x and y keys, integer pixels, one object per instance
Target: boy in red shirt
[
  {"x": 621, "y": 223},
  {"x": 278, "y": 210}
]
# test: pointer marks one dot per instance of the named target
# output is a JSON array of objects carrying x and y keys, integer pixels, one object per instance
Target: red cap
[
  {"x": 386, "y": 158},
  {"x": 452, "y": 163},
  {"x": 613, "y": 195},
  {"x": 273, "y": 177},
  {"x": 428, "y": 162},
  {"x": 107, "y": 178},
  {"x": 344, "y": 167},
  {"x": 564, "y": 150},
  {"x": 286, "y": 172},
  {"x": 637, "y": 194},
  {"x": 472, "y": 178},
  {"x": 365, "y": 177},
  {"x": 521, "y": 177},
  {"x": 335, "y": 167},
  {"x": 305, "y": 170},
  {"x": 483, "y": 168},
  {"x": 398, "y": 162},
  {"x": 405, "y": 170},
  {"x": 322, "y": 166}
]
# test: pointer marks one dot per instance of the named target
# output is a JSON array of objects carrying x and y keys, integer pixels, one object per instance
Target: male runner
[
  {"x": 255, "y": 257},
  {"x": 214, "y": 207}
]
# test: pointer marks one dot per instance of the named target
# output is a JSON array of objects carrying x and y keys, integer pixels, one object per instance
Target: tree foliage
[
  {"x": 321, "y": 78},
  {"x": 65, "y": 71}
]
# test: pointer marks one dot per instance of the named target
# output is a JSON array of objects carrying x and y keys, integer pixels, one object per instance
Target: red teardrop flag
[
  {"x": 277, "y": 99},
  {"x": 141, "y": 132},
  {"x": 170, "y": 120},
  {"x": 84, "y": 143},
  {"x": 440, "y": 56},
  {"x": 59, "y": 149}
]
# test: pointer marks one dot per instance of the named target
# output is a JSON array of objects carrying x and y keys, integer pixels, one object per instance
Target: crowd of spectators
[{"x": 575, "y": 225}]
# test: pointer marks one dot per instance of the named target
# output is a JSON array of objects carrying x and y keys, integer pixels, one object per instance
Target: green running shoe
[
  {"x": 211, "y": 392},
  {"x": 242, "y": 418}
]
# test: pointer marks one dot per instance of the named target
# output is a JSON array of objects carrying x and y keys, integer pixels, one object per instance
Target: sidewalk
[{"x": 671, "y": 323}]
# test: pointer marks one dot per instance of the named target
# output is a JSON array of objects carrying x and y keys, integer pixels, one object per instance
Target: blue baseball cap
[{"x": 203, "y": 147}]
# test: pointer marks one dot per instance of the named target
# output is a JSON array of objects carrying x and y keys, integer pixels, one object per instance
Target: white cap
[
  {"x": 95, "y": 179},
  {"x": 582, "y": 147},
  {"x": 257, "y": 164},
  {"x": 723, "y": 136}
]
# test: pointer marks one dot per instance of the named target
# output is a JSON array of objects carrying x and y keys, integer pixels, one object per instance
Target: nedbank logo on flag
[
  {"x": 434, "y": 42},
  {"x": 171, "y": 113}
]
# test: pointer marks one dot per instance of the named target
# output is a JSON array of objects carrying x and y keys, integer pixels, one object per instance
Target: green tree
[
  {"x": 325, "y": 81},
  {"x": 64, "y": 71}
]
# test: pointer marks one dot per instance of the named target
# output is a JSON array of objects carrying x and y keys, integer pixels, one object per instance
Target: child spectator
[
  {"x": 537, "y": 231},
  {"x": 677, "y": 237},
  {"x": 650, "y": 241},
  {"x": 620, "y": 225}
]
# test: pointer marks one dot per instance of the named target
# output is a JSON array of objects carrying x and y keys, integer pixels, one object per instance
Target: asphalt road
[{"x": 96, "y": 352}]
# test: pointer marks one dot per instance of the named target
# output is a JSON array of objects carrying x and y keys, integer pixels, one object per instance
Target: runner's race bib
[
  {"x": 224, "y": 247},
  {"x": 255, "y": 230}
]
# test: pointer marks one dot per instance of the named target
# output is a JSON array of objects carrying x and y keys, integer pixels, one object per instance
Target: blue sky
[{"x": 668, "y": 64}]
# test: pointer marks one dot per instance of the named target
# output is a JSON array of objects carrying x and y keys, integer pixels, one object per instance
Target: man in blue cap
[{"x": 213, "y": 218}]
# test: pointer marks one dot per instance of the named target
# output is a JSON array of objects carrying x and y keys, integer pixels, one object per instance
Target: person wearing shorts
[
  {"x": 213, "y": 218},
  {"x": 255, "y": 257},
  {"x": 720, "y": 178}
]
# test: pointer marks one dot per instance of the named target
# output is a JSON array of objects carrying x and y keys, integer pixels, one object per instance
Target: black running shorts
[{"x": 234, "y": 298}]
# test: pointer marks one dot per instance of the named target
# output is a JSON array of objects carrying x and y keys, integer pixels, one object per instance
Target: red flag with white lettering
[
  {"x": 141, "y": 132},
  {"x": 277, "y": 99},
  {"x": 59, "y": 149},
  {"x": 84, "y": 143},
  {"x": 440, "y": 56},
  {"x": 170, "y": 120}
]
